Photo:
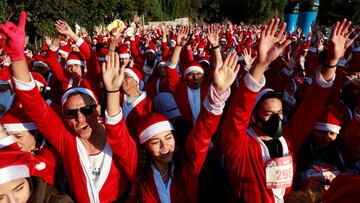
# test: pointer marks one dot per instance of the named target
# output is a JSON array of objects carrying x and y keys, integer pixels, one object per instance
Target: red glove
[{"x": 15, "y": 38}]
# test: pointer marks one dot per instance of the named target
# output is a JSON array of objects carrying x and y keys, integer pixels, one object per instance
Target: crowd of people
[{"x": 210, "y": 113}]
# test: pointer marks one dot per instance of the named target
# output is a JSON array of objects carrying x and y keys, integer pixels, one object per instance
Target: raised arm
[
  {"x": 272, "y": 43},
  {"x": 117, "y": 135},
  {"x": 317, "y": 93},
  {"x": 198, "y": 141},
  {"x": 46, "y": 120},
  {"x": 173, "y": 78}
]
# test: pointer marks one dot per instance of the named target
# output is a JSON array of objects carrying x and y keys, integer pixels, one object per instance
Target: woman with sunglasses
[
  {"x": 98, "y": 160},
  {"x": 169, "y": 175}
]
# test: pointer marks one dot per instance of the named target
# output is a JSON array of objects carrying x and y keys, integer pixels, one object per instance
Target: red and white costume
[
  {"x": 247, "y": 158},
  {"x": 182, "y": 187},
  {"x": 119, "y": 165}
]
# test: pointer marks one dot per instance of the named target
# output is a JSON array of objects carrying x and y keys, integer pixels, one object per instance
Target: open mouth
[{"x": 84, "y": 127}]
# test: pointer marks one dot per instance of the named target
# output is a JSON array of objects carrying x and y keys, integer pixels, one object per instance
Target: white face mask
[{"x": 6, "y": 99}]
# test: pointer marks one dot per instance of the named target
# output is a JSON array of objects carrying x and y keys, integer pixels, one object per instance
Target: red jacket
[
  {"x": 121, "y": 165},
  {"x": 184, "y": 184},
  {"x": 133, "y": 113},
  {"x": 243, "y": 154},
  {"x": 91, "y": 79},
  {"x": 180, "y": 91}
]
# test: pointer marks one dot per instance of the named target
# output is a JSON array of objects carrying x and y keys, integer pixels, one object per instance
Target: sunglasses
[{"x": 86, "y": 111}]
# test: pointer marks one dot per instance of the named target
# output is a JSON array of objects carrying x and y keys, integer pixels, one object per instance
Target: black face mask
[{"x": 273, "y": 126}]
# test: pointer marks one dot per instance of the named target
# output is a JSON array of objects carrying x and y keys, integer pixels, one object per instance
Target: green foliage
[{"x": 42, "y": 14}]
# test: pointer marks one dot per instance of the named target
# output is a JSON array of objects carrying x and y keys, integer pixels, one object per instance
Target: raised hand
[
  {"x": 272, "y": 42},
  {"x": 63, "y": 28},
  {"x": 338, "y": 41},
  {"x": 48, "y": 40},
  {"x": 15, "y": 38},
  {"x": 249, "y": 60},
  {"x": 164, "y": 29},
  {"x": 113, "y": 74},
  {"x": 182, "y": 36},
  {"x": 213, "y": 34},
  {"x": 225, "y": 76},
  {"x": 290, "y": 62}
]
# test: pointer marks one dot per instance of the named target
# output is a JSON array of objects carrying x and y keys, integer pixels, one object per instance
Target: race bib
[{"x": 279, "y": 173}]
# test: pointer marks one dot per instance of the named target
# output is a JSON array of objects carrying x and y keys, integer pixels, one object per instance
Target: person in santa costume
[
  {"x": 81, "y": 69},
  {"x": 134, "y": 102},
  {"x": 320, "y": 159},
  {"x": 170, "y": 175},
  {"x": 99, "y": 161},
  {"x": 259, "y": 159},
  {"x": 27, "y": 137},
  {"x": 17, "y": 184},
  {"x": 191, "y": 92}
]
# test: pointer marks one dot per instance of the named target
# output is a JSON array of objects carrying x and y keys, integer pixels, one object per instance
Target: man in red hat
[
  {"x": 99, "y": 161},
  {"x": 190, "y": 92},
  {"x": 134, "y": 102},
  {"x": 80, "y": 68}
]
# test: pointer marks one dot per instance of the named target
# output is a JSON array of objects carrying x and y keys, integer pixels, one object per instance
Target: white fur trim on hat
[
  {"x": 63, "y": 52},
  {"x": 10, "y": 173},
  {"x": 150, "y": 51},
  {"x": 77, "y": 90},
  {"x": 132, "y": 74},
  {"x": 193, "y": 68},
  {"x": 327, "y": 127},
  {"x": 36, "y": 63},
  {"x": 154, "y": 129},
  {"x": 16, "y": 127},
  {"x": 126, "y": 55},
  {"x": 75, "y": 62}
]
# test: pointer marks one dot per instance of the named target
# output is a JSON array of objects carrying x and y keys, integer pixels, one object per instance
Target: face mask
[
  {"x": 6, "y": 99},
  {"x": 273, "y": 126}
]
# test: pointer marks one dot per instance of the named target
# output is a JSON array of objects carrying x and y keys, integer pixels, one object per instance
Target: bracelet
[
  {"x": 216, "y": 47},
  {"x": 112, "y": 50},
  {"x": 107, "y": 91}
]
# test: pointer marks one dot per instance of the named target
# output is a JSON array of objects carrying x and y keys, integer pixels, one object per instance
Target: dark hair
[{"x": 268, "y": 95}]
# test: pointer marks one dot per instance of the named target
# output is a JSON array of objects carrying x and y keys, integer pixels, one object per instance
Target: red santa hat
[
  {"x": 63, "y": 40},
  {"x": 39, "y": 60},
  {"x": 151, "y": 49},
  {"x": 165, "y": 103},
  {"x": 127, "y": 41},
  {"x": 223, "y": 39},
  {"x": 75, "y": 90},
  {"x": 75, "y": 58},
  {"x": 15, "y": 120},
  {"x": 329, "y": 120},
  {"x": 13, "y": 165},
  {"x": 173, "y": 40},
  {"x": 40, "y": 80},
  {"x": 162, "y": 63},
  {"x": 204, "y": 60},
  {"x": 124, "y": 52},
  {"x": 194, "y": 66},
  {"x": 134, "y": 73},
  {"x": 66, "y": 50},
  {"x": 151, "y": 125}
]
